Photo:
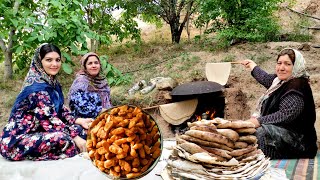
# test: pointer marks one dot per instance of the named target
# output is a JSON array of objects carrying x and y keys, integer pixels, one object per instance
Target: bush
[{"x": 244, "y": 20}]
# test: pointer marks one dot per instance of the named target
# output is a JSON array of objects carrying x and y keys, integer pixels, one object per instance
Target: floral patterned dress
[
  {"x": 85, "y": 104},
  {"x": 88, "y": 94},
  {"x": 36, "y": 131}
]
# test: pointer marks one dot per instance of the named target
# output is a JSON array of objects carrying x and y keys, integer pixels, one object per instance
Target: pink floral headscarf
[{"x": 84, "y": 81}]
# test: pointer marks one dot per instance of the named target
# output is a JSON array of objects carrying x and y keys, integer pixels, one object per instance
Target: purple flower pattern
[{"x": 85, "y": 104}]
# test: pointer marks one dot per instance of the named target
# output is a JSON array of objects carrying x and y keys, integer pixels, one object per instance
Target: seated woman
[
  {"x": 40, "y": 127},
  {"x": 89, "y": 92},
  {"x": 285, "y": 114}
]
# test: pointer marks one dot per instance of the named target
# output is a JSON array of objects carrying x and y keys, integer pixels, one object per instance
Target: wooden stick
[
  {"x": 235, "y": 62},
  {"x": 151, "y": 107},
  {"x": 304, "y": 14}
]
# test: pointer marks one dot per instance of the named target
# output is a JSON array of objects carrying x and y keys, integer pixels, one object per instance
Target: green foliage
[
  {"x": 299, "y": 37},
  {"x": 67, "y": 24},
  {"x": 113, "y": 75},
  {"x": 300, "y": 31},
  {"x": 263, "y": 58},
  {"x": 56, "y": 22},
  {"x": 1, "y": 57},
  {"x": 245, "y": 20},
  {"x": 99, "y": 17}
]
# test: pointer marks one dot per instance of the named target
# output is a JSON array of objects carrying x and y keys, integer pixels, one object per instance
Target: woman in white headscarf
[{"x": 285, "y": 114}]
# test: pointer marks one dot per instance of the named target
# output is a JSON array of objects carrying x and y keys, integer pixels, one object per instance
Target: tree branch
[
  {"x": 165, "y": 13},
  {"x": 16, "y": 6},
  {"x": 314, "y": 28},
  {"x": 12, "y": 29},
  {"x": 2, "y": 45},
  {"x": 180, "y": 7},
  {"x": 12, "y": 32},
  {"x": 304, "y": 14},
  {"x": 187, "y": 16}
]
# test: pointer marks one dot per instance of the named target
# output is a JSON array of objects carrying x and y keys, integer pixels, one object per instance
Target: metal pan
[{"x": 196, "y": 88}]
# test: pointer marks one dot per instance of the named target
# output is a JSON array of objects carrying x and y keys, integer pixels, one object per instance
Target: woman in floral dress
[
  {"x": 40, "y": 127},
  {"x": 89, "y": 92}
]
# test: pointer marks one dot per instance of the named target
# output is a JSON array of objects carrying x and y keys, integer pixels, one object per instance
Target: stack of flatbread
[{"x": 219, "y": 149}]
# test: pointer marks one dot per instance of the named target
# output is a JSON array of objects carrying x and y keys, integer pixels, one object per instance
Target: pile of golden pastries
[{"x": 124, "y": 142}]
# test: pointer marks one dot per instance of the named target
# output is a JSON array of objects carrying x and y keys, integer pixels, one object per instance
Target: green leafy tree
[
  {"x": 64, "y": 26},
  {"x": 113, "y": 75},
  {"x": 26, "y": 24},
  {"x": 251, "y": 20},
  {"x": 176, "y": 13},
  {"x": 100, "y": 18},
  {"x": 16, "y": 18}
]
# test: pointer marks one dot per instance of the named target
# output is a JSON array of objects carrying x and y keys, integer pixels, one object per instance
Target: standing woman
[
  {"x": 40, "y": 127},
  {"x": 285, "y": 114},
  {"x": 89, "y": 92}
]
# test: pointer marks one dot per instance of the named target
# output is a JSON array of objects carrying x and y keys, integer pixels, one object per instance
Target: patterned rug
[{"x": 299, "y": 168}]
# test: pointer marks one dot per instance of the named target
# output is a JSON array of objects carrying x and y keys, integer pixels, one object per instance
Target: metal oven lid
[{"x": 197, "y": 87}]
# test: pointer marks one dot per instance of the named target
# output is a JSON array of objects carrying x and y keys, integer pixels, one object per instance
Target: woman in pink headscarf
[
  {"x": 285, "y": 114},
  {"x": 89, "y": 92}
]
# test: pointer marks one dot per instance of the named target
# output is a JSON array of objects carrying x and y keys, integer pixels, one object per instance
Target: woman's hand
[
  {"x": 84, "y": 122},
  {"x": 249, "y": 64},
  {"x": 80, "y": 143},
  {"x": 254, "y": 121}
]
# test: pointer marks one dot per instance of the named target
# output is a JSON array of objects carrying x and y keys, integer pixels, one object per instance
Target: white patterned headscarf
[
  {"x": 299, "y": 70},
  {"x": 299, "y": 67}
]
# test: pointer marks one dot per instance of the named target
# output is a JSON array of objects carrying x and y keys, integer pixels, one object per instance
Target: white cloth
[{"x": 76, "y": 168}]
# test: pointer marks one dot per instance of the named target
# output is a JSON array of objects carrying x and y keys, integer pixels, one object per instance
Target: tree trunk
[
  {"x": 7, "y": 50},
  {"x": 188, "y": 29},
  {"x": 175, "y": 33},
  {"x": 8, "y": 72},
  {"x": 97, "y": 45},
  {"x": 174, "y": 21},
  {"x": 90, "y": 23},
  {"x": 92, "y": 45}
]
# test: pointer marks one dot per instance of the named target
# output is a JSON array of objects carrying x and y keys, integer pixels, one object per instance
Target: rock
[
  {"x": 167, "y": 96},
  {"x": 304, "y": 47},
  {"x": 163, "y": 83},
  {"x": 148, "y": 88},
  {"x": 281, "y": 45}
]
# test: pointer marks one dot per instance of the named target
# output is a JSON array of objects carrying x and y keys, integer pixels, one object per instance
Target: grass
[
  {"x": 150, "y": 61},
  {"x": 229, "y": 58}
]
